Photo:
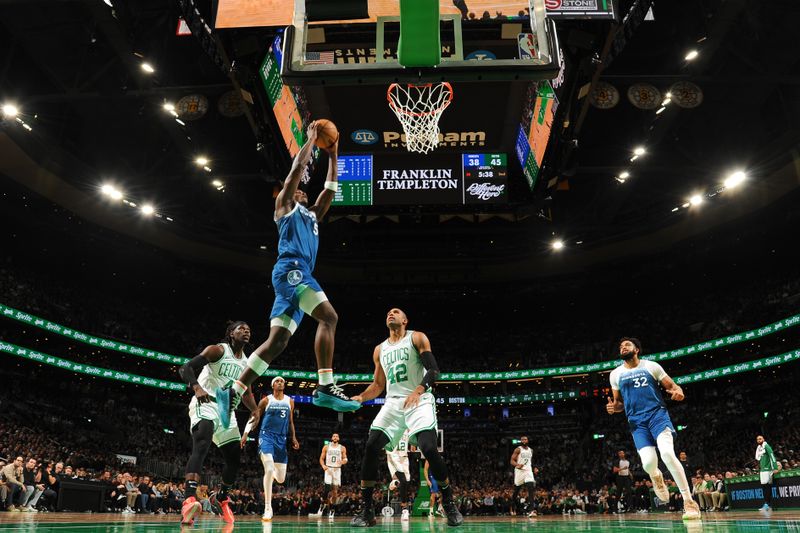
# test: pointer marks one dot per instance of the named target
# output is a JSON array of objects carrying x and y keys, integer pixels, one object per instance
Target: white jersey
[
  {"x": 402, "y": 366},
  {"x": 524, "y": 458},
  {"x": 222, "y": 373},
  {"x": 333, "y": 456}
]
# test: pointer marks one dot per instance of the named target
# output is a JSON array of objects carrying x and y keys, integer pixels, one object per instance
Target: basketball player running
[
  {"x": 433, "y": 487},
  {"x": 332, "y": 459},
  {"x": 277, "y": 419},
  {"x": 767, "y": 467},
  {"x": 216, "y": 367},
  {"x": 523, "y": 474},
  {"x": 296, "y": 291},
  {"x": 397, "y": 461},
  {"x": 404, "y": 360},
  {"x": 634, "y": 384}
]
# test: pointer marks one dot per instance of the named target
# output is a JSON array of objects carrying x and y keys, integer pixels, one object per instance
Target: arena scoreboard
[{"x": 406, "y": 179}]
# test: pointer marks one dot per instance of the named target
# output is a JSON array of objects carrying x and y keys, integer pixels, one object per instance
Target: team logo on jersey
[
  {"x": 364, "y": 137},
  {"x": 294, "y": 277}
]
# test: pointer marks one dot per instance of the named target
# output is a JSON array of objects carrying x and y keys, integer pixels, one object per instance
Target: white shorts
[
  {"x": 333, "y": 476},
  {"x": 393, "y": 420},
  {"x": 208, "y": 411},
  {"x": 522, "y": 476},
  {"x": 766, "y": 477},
  {"x": 398, "y": 463}
]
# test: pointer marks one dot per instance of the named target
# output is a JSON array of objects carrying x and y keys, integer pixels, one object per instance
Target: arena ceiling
[{"x": 74, "y": 70}]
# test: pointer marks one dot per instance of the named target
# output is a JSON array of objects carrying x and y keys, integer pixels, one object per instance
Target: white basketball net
[{"x": 419, "y": 107}]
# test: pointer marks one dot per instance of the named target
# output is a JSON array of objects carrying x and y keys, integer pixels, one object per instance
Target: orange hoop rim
[{"x": 432, "y": 112}]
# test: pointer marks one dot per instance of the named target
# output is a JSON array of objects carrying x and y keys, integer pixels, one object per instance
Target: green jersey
[
  {"x": 766, "y": 459},
  {"x": 402, "y": 365}
]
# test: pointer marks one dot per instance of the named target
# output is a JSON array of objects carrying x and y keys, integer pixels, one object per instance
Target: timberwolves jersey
[
  {"x": 276, "y": 416},
  {"x": 298, "y": 236},
  {"x": 639, "y": 388},
  {"x": 402, "y": 365},
  {"x": 222, "y": 373},
  {"x": 524, "y": 457}
]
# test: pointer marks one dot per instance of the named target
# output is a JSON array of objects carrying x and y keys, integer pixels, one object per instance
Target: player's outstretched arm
[
  {"x": 192, "y": 369},
  {"x": 378, "y": 380},
  {"x": 331, "y": 183},
  {"x": 285, "y": 199},
  {"x": 295, "y": 443}
]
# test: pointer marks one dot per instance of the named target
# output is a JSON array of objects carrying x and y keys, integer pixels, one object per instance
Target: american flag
[{"x": 319, "y": 58}]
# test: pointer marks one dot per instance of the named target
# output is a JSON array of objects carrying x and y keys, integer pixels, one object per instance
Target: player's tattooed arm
[
  {"x": 378, "y": 380},
  {"x": 194, "y": 366},
  {"x": 673, "y": 389},
  {"x": 285, "y": 199},
  {"x": 615, "y": 404}
]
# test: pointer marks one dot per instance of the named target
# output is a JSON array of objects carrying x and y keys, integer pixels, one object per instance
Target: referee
[{"x": 623, "y": 472}]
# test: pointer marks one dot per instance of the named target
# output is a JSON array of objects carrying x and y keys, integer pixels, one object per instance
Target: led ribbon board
[
  {"x": 736, "y": 338},
  {"x": 105, "y": 373}
]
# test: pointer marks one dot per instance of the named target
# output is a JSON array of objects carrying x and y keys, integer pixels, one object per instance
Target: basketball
[{"x": 327, "y": 134}]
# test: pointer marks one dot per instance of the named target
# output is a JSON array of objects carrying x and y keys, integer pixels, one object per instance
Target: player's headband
[{"x": 276, "y": 378}]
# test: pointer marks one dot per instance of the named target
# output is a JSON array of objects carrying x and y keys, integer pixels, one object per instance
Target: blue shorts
[
  {"x": 290, "y": 278},
  {"x": 274, "y": 444},
  {"x": 434, "y": 486},
  {"x": 646, "y": 430}
]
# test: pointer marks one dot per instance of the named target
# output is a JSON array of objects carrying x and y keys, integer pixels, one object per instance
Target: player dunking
[
  {"x": 397, "y": 461},
  {"x": 277, "y": 419},
  {"x": 215, "y": 368},
  {"x": 634, "y": 384},
  {"x": 404, "y": 360},
  {"x": 523, "y": 474},
  {"x": 332, "y": 459},
  {"x": 296, "y": 291}
]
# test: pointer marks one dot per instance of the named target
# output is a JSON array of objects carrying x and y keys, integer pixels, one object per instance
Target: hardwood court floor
[{"x": 738, "y": 521}]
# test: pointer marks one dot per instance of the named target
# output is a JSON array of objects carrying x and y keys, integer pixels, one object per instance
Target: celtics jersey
[
  {"x": 524, "y": 457},
  {"x": 221, "y": 374},
  {"x": 402, "y": 446},
  {"x": 402, "y": 365},
  {"x": 333, "y": 455}
]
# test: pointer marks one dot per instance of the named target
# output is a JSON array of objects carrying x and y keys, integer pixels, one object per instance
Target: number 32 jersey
[
  {"x": 402, "y": 365},
  {"x": 639, "y": 388}
]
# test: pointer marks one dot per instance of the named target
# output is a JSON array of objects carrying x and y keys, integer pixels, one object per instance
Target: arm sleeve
[
  {"x": 190, "y": 370},
  {"x": 656, "y": 370},
  {"x": 432, "y": 370}
]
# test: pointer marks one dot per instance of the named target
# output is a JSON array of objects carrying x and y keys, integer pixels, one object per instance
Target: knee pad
[
  {"x": 649, "y": 459},
  {"x": 280, "y": 472},
  {"x": 268, "y": 462}
]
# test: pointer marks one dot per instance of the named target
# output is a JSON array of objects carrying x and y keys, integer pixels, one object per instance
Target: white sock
[{"x": 325, "y": 376}]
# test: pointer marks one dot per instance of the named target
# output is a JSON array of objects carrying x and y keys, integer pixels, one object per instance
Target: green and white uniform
[
  {"x": 219, "y": 374},
  {"x": 767, "y": 464},
  {"x": 404, "y": 371},
  {"x": 397, "y": 459}
]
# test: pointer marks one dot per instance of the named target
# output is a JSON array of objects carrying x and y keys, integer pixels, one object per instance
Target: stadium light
[
  {"x": 691, "y": 55},
  {"x": 624, "y": 174},
  {"x": 148, "y": 210},
  {"x": 735, "y": 179},
  {"x": 639, "y": 150},
  {"x": 147, "y": 67},
  {"x": 201, "y": 160},
  {"x": 217, "y": 183},
  {"x": 10, "y": 110},
  {"x": 661, "y": 109},
  {"x": 111, "y": 191},
  {"x": 169, "y": 106},
  {"x": 557, "y": 244},
  {"x": 696, "y": 200}
]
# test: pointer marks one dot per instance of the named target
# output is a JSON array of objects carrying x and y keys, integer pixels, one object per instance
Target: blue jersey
[
  {"x": 639, "y": 388},
  {"x": 298, "y": 236},
  {"x": 276, "y": 417}
]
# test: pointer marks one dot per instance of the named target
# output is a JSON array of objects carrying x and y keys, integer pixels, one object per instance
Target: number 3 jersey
[
  {"x": 402, "y": 365},
  {"x": 639, "y": 388}
]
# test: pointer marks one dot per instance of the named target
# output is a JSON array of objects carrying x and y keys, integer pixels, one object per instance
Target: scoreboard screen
[{"x": 405, "y": 179}]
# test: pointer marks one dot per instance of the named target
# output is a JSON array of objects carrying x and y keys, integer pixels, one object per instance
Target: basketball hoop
[{"x": 418, "y": 108}]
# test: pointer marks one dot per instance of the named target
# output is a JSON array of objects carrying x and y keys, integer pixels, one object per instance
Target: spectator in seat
[
  {"x": 131, "y": 493},
  {"x": 32, "y": 478},
  {"x": 15, "y": 488},
  {"x": 145, "y": 493},
  {"x": 719, "y": 498}
]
